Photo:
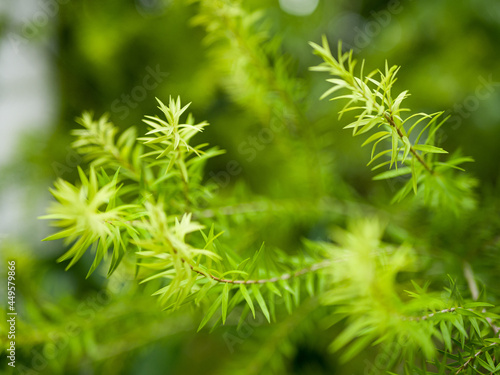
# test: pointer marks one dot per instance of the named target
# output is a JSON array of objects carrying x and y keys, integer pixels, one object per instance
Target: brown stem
[
  {"x": 391, "y": 122},
  {"x": 469, "y": 275},
  {"x": 425, "y": 317},
  {"x": 468, "y": 362},
  {"x": 285, "y": 276}
]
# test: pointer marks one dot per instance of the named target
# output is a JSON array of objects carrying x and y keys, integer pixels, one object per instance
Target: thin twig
[
  {"x": 425, "y": 317},
  {"x": 285, "y": 276},
  {"x": 391, "y": 122},
  {"x": 468, "y": 362}
]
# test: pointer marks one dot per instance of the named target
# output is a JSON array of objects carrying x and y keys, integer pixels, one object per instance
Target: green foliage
[
  {"x": 368, "y": 280},
  {"x": 139, "y": 214},
  {"x": 91, "y": 218},
  {"x": 257, "y": 73},
  {"x": 357, "y": 270},
  {"x": 173, "y": 137},
  {"x": 412, "y": 139},
  {"x": 366, "y": 291}
]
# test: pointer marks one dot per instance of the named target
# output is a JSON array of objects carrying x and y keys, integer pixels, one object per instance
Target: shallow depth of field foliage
[{"x": 236, "y": 189}]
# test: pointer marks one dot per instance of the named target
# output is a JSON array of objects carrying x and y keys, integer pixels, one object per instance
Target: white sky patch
[{"x": 299, "y": 7}]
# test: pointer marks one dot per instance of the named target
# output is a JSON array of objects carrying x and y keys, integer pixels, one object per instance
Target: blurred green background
[{"x": 58, "y": 58}]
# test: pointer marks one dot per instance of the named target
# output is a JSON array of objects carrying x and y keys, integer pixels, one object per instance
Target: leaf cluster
[
  {"x": 147, "y": 205},
  {"x": 408, "y": 142},
  {"x": 424, "y": 326}
]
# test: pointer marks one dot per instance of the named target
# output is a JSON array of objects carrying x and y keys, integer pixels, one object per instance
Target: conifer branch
[
  {"x": 137, "y": 203},
  {"x": 285, "y": 276},
  {"x": 97, "y": 142},
  {"x": 372, "y": 99}
]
